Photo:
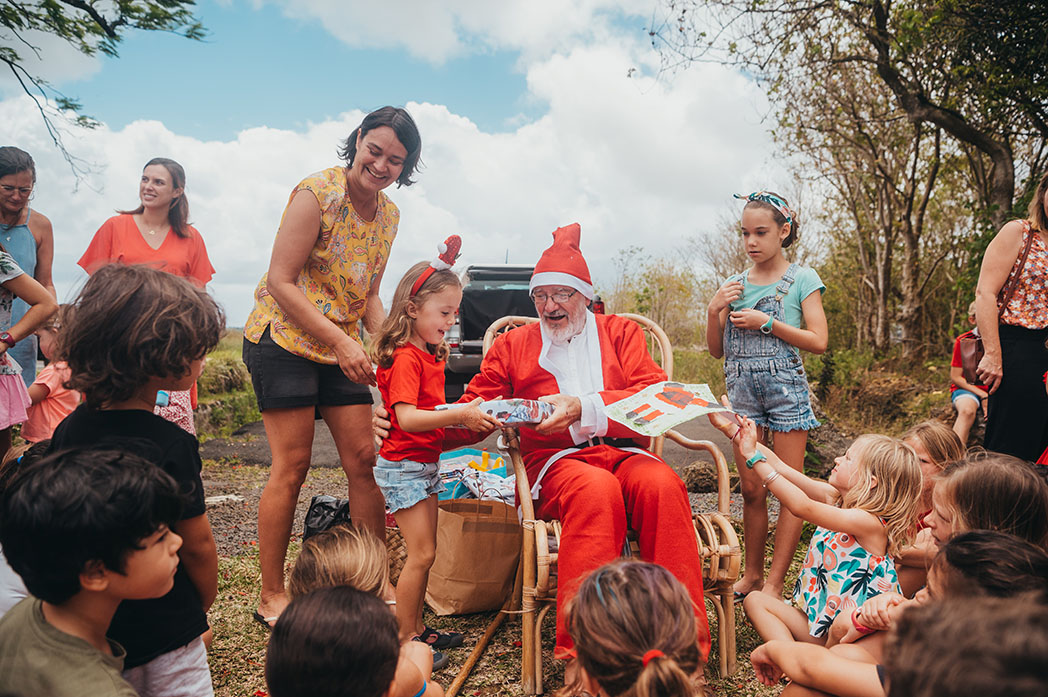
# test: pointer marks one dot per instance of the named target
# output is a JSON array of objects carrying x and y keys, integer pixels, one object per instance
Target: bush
[
  {"x": 225, "y": 414},
  {"x": 698, "y": 366},
  {"x": 224, "y": 372},
  {"x": 846, "y": 368}
]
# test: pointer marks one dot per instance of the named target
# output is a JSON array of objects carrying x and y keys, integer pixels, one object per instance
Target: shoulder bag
[{"x": 971, "y": 346}]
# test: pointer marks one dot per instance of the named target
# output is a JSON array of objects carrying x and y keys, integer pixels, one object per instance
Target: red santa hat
[{"x": 562, "y": 264}]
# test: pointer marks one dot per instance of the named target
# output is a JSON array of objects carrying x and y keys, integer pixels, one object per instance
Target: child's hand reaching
[
  {"x": 735, "y": 426},
  {"x": 474, "y": 419},
  {"x": 746, "y": 440},
  {"x": 768, "y": 673},
  {"x": 725, "y": 422}
]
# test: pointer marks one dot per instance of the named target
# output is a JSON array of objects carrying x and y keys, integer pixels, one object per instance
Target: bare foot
[{"x": 747, "y": 585}]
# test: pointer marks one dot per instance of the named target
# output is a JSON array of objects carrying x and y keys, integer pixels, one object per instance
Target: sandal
[
  {"x": 266, "y": 622},
  {"x": 440, "y": 659},
  {"x": 439, "y": 640}
]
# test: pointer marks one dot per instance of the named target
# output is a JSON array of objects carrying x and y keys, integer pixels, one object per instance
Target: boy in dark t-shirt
[{"x": 133, "y": 331}]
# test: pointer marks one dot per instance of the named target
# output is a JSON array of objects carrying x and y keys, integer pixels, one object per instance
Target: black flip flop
[{"x": 264, "y": 621}]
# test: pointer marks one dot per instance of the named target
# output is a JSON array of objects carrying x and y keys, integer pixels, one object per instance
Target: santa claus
[{"x": 590, "y": 473}]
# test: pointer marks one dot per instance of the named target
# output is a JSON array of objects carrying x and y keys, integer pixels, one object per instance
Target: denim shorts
[
  {"x": 283, "y": 380},
  {"x": 774, "y": 393},
  {"x": 406, "y": 482},
  {"x": 961, "y": 392}
]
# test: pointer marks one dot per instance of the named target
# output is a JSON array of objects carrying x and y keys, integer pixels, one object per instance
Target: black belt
[{"x": 611, "y": 442}]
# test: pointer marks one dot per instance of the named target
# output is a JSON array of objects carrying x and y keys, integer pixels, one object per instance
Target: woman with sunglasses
[
  {"x": 755, "y": 322},
  {"x": 28, "y": 238}
]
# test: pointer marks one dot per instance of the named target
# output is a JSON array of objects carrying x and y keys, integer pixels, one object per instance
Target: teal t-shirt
[{"x": 806, "y": 283}]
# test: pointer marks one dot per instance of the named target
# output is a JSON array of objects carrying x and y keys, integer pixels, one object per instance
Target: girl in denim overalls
[{"x": 754, "y": 321}]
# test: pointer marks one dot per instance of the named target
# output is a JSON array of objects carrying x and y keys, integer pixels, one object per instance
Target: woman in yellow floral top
[{"x": 302, "y": 340}]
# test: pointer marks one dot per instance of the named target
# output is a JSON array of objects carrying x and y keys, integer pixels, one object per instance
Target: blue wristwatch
[
  {"x": 754, "y": 459},
  {"x": 766, "y": 327}
]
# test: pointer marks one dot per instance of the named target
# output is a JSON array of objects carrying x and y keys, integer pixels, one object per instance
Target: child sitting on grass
[
  {"x": 132, "y": 331},
  {"x": 350, "y": 556},
  {"x": 969, "y": 567},
  {"x": 936, "y": 445},
  {"x": 865, "y": 513},
  {"x": 634, "y": 630},
  {"x": 333, "y": 642},
  {"x": 52, "y": 400},
  {"x": 12, "y": 588},
  {"x": 86, "y": 530},
  {"x": 983, "y": 491}
]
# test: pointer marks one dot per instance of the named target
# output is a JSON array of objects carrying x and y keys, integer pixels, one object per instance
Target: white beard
[{"x": 569, "y": 330}]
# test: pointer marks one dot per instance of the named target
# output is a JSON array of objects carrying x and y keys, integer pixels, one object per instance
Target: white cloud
[
  {"x": 54, "y": 60},
  {"x": 437, "y": 31},
  {"x": 634, "y": 160}
]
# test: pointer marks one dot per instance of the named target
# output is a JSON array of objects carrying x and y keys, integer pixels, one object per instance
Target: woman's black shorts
[{"x": 283, "y": 380}]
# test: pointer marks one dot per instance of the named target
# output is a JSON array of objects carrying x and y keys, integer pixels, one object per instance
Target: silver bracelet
[{"x": 770, "y": 478}]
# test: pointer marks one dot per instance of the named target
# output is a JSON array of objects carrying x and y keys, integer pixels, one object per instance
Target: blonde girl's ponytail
[
  {"x": 635, "y": 631},
  {"x": 660, "y": 676}
]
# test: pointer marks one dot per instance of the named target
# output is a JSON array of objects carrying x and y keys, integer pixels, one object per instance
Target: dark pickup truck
[{"x": 489, "y": 291}]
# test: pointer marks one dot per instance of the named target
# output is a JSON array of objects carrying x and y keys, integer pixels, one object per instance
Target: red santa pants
[{"x": 596, "y": 494}]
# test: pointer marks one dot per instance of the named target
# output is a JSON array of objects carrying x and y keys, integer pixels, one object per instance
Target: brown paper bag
[{"x": 478, "y": 547}]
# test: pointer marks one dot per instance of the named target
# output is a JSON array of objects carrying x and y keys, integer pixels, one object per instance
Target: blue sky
[
  {"x": 533, "y": 115},
  {"x": 219, "y": 86}
]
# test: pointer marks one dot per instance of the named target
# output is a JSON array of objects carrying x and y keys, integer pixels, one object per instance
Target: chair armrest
[{"x": 511, "y": 437}]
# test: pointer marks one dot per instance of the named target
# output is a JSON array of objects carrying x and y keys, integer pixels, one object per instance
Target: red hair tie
[
  {"x": 449, "y": 251},
  {"x": 654, "y": 653}
]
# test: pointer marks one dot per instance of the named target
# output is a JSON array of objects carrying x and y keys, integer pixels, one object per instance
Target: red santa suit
[{"x": 595, "y": 489}]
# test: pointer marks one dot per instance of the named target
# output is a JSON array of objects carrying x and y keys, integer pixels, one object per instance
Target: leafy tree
[
  {"x": 91, "y": 27},
  {"x": 976, "y": 69},
  {"x": 913, "y": 121},
  {"x": 663, "y": 289}
]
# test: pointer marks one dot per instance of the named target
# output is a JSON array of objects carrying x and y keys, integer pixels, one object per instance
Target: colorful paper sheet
[{"x": 658, "y": 408}]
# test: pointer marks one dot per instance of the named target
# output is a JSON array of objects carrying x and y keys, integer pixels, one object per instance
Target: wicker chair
[{"x": 718, "y": 543}]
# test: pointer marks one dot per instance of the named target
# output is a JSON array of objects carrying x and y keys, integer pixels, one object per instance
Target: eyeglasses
[
  {"x": 24, "y": 190},
  {"x": 561, "y": 296}
]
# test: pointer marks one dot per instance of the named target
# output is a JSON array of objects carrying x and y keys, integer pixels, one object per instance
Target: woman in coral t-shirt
[{"x": 157, "y": 233}]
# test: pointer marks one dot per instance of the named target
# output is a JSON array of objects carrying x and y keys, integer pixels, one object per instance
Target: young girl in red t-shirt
[{"x": 410, "y": 351}]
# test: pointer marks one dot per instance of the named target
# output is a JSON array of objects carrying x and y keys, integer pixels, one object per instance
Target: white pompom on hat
[{"x": 562, "y": 264}]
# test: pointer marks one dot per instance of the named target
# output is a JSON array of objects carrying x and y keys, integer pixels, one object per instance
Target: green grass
[{"x": 697, "y": 366}]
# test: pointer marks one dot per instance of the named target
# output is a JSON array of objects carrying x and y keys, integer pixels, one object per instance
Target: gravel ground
[
  {"x": 235, "y": 472},
  {"x": 238, "y": 470},
  {"x": 701, "y": 503},
  {"x": 233, "y": 492}
]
